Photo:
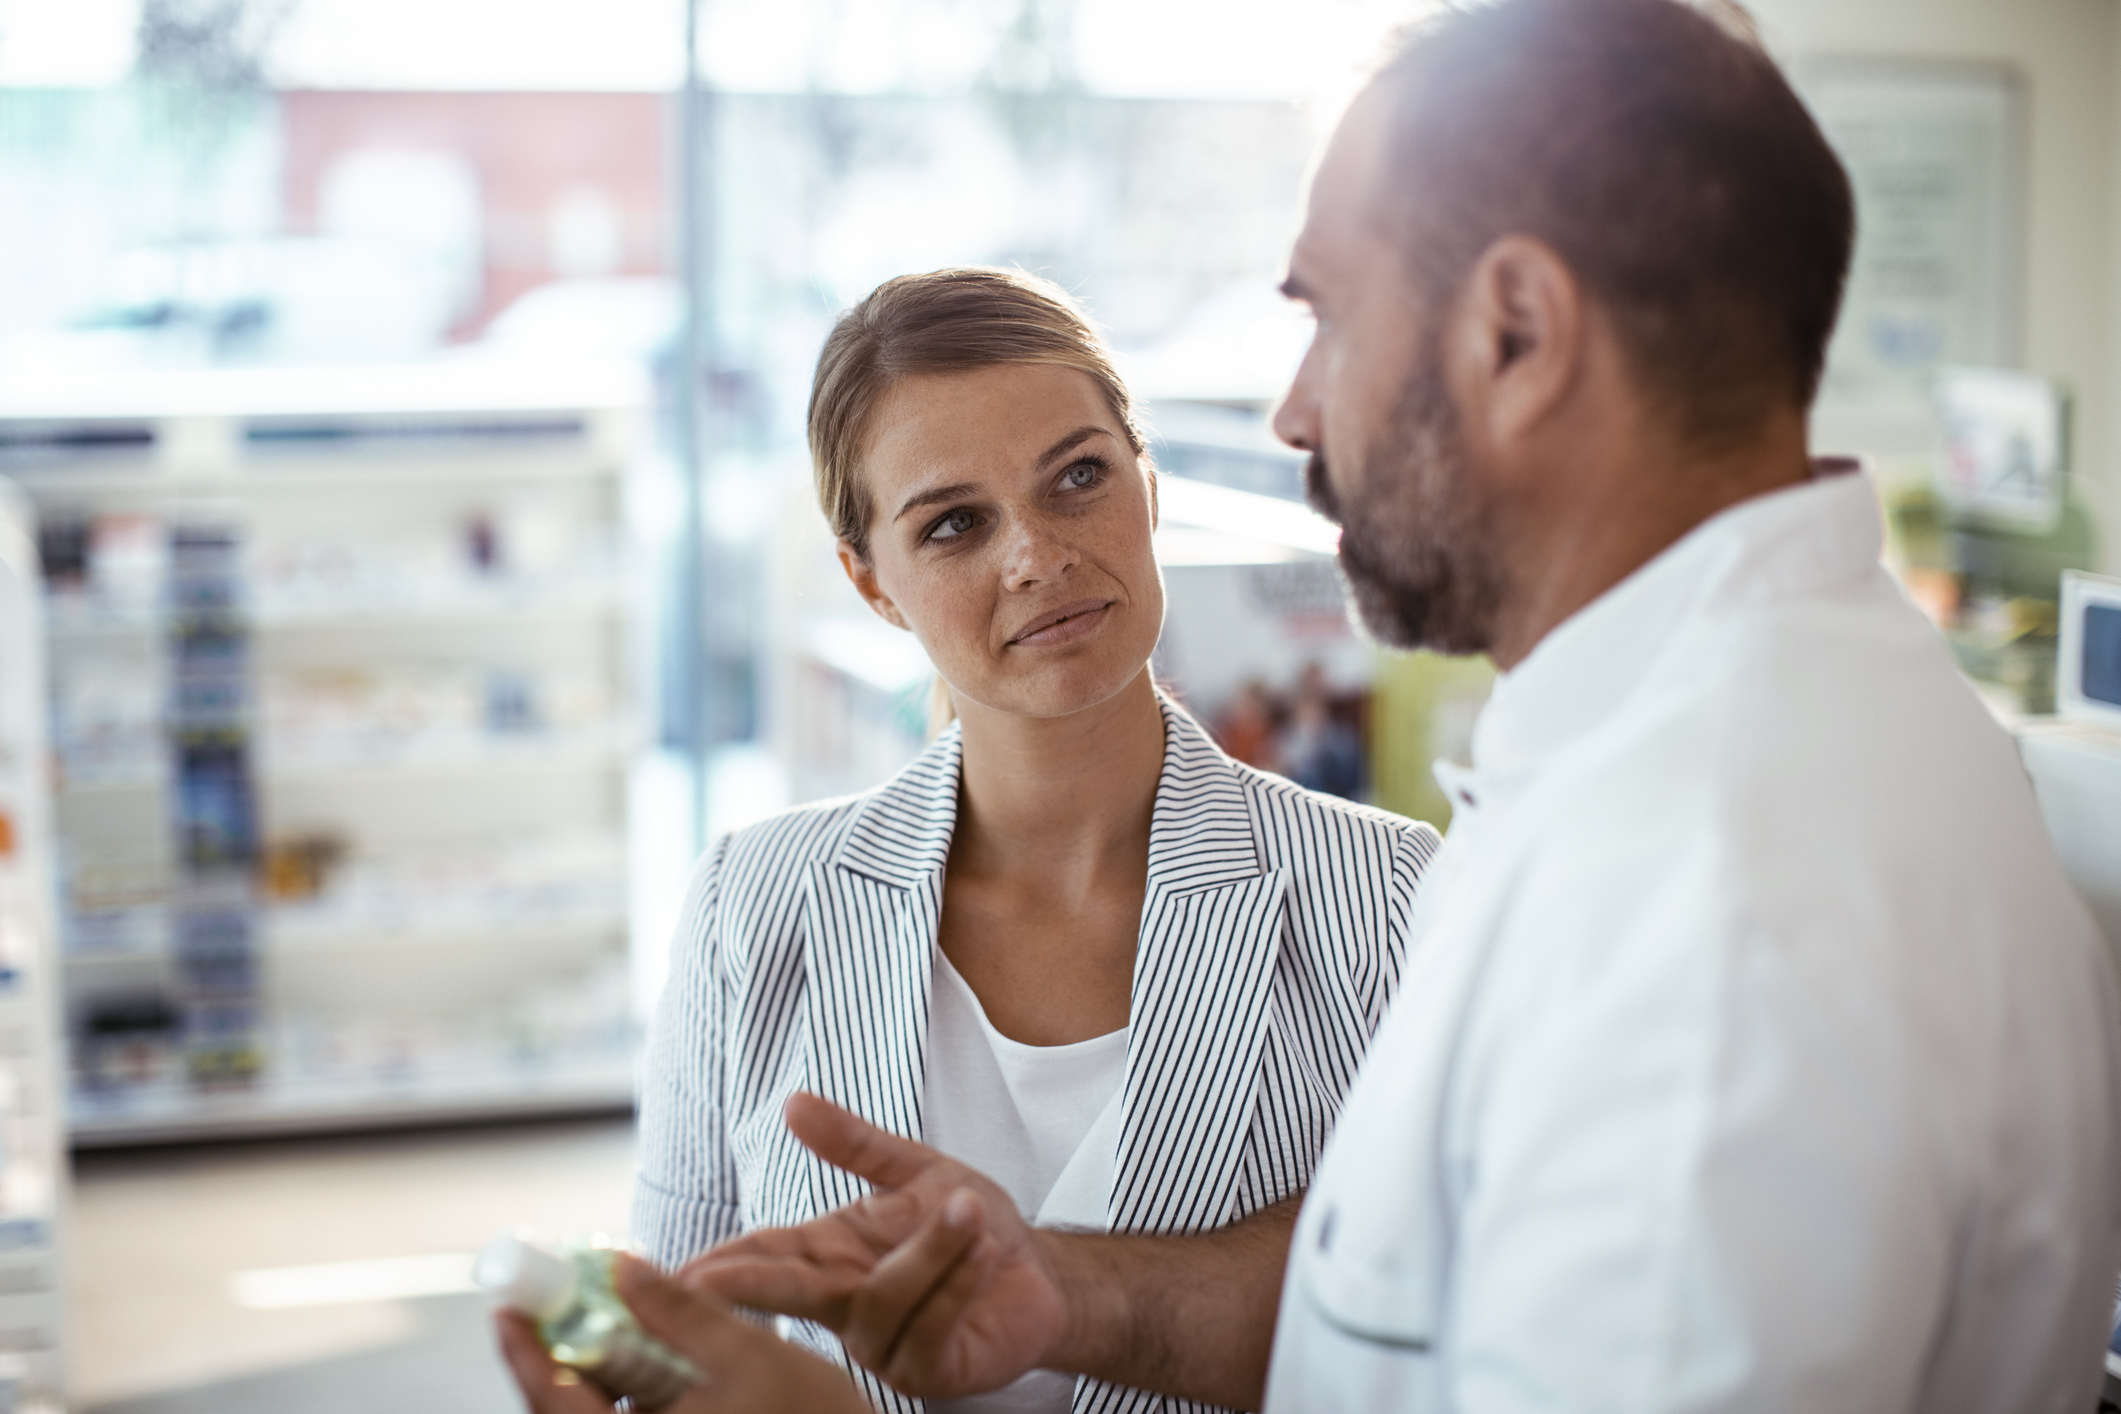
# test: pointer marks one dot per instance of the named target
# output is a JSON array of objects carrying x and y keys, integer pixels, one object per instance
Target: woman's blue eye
[
  {"x": 1083, "y": 474},
  {"x": 953, "y": 525}
]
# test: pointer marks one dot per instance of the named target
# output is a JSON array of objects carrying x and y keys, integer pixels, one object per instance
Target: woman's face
[{"x": 1010, "y": 527}]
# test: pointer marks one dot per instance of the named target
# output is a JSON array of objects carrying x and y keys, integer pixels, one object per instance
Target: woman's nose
[{"x": 1032, "y": 555}]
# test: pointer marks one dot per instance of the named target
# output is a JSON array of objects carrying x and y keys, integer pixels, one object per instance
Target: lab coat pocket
[{"x": 1373, "y": 1288}]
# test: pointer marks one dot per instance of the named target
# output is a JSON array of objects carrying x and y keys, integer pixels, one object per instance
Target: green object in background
[
  {"x": 1422, "y": 708},
  {"x": 2006, "y": 630}
]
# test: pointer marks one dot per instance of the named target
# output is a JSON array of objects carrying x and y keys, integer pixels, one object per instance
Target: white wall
[{"x": 2069, "y": 54}]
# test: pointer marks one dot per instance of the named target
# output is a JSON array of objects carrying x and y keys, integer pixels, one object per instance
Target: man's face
[{"x": 1372, "y": 405}]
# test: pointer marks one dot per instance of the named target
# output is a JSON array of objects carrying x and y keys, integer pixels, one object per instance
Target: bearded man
[{"x": 1756, "y": 1055}]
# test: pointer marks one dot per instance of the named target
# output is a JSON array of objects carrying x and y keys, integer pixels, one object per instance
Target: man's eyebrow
[{"x": 934, "y": 495}]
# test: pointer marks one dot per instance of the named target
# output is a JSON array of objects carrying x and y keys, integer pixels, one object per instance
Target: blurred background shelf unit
[
  {"x": 33, "y": 1159},
  {"x": 343, "y": 704}
]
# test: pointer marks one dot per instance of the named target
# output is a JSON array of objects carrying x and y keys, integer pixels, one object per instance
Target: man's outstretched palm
[{"x": 934, "y": 1281}]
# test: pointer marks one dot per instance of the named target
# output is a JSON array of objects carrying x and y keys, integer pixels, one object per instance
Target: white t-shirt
[{"x": 1042, "y": 1121}]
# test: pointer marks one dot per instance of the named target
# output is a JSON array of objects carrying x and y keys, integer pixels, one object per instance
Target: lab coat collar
[{"x": 1827, "y": 530}]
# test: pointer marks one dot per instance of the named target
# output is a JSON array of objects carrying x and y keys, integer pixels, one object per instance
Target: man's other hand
[{"x": 934, "y": 1281}]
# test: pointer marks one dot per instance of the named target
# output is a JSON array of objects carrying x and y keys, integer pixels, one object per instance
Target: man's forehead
[{"x": 1342, "y": 213}]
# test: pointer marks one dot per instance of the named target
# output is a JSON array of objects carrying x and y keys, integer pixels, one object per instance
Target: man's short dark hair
[{"x": 1663, "y": 156}]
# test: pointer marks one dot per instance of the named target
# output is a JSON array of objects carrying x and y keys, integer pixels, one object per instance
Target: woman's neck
[{"x": 1069, "y": 797}]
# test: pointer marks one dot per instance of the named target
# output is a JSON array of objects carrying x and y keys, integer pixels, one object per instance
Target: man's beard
[{"x": 1416, "y": 549}]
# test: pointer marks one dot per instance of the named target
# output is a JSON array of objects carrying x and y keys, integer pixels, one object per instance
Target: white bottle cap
[{"x": 526, "y": 1274}]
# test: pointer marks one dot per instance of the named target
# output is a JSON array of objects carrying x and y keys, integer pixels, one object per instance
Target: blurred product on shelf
[
  {"x": 126, "y": 1038},
  {"x": 297, "y": 868},
  {"x": 320, "y": 717},
  {"x": 531, "y": 881},
  {"x": 1981, "y": 534},
  {"x": 213, "y": 903},
  {"x": 564, "y": 1037}
]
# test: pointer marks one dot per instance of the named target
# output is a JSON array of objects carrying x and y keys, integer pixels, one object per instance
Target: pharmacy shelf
[
  {"x": 581, "y": 601},
  {"x": 157, "y": 1114},
  {"x": 288, "y": 937},
  {"x": 528, "y": 753},
  {"x": 33, "y": 1157},
  {"x": 531, "y": 752},
  {"x": 285, "y": 474},
  {"x": 395, "y": 528}
]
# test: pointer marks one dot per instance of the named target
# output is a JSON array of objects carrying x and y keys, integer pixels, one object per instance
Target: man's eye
[{"x": 953, "y": 525}]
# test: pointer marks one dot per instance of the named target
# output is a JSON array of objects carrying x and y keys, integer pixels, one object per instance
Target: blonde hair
[{"x": 947, "y": 321}]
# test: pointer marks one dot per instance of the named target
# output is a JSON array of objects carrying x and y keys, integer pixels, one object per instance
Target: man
[{"x": 1756, "y": 1055}]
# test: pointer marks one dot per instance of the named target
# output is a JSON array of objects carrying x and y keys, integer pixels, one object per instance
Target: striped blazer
[{"x": 1273, "y": 933}]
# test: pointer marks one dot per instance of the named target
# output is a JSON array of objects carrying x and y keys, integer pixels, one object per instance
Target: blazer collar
[
  {"x": 1210, "y": 938},
  {"x": 1200, "y": 830},
  {"x": 902, "y": 836}
]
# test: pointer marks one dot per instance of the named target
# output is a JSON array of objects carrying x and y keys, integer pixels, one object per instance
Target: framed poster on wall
[{"x": 1936, "y": 153}]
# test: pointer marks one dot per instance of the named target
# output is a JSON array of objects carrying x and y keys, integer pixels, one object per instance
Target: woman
[{"x": 1073, "y": 944}]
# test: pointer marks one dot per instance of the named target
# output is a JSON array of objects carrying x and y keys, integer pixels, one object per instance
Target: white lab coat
[{"x": 1754, "y": 1054}]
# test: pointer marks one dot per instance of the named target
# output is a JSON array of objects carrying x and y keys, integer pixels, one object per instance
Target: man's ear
[
  {"x": 1516, "y": 337},
  {"x": 862, "y": 575}
]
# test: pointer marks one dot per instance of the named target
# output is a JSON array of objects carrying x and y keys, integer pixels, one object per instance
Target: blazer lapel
[
  {"x": 1203, "y": 975},
  {"x": 871, "y": 920}
]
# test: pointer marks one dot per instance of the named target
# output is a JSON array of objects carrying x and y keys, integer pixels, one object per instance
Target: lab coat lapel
[
  {"x": 872, "y": 919},
  {"x": 1203, "y": 975}
]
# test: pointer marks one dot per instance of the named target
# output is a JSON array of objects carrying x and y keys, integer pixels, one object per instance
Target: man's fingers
[
  {"x": 691, "y": 1322},
  {"x": 791, "y": 1287},
  {"x": 917, "y": 1360},
  {"x": 893, "y": 1294},
  {"x": 547, "y": 1387},
  {"x": 846, "y": 1140}
]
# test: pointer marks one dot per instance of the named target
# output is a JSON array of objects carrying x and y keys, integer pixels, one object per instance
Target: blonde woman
[{"x": 1073, "y": 944}]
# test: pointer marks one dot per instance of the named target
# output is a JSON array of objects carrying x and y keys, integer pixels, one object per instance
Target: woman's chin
[{"x": 1056, "y": 689}]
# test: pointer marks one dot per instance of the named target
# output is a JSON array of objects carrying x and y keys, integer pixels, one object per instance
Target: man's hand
[
  {"x": 744, "y": 1370},
  {"x": 934, "y": 1281}
]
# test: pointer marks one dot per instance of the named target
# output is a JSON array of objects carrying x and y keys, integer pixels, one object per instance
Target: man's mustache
[{"x": 1318, "y": 491}]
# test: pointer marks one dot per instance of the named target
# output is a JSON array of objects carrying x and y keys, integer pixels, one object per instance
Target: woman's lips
[{"x": 1063, "y": 625}]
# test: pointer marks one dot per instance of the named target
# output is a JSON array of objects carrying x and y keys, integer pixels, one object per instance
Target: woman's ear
[
  {"x": 1156, "y": 511},
  {"x": 862, "y": 575}
]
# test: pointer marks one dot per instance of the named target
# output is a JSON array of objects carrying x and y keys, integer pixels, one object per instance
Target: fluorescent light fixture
[
  {"x": 344, "y": 1283},
  {"x": 1245, "y": 515}
]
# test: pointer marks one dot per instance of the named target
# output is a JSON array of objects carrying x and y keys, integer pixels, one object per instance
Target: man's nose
[
  {"x": 1296, "y": 415},
  {"x": 1033, "y": 554}
]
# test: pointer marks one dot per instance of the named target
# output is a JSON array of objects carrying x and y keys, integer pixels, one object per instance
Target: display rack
[
  {"x": 32, "y": 1141},
  {"x": 342, "y": 703}
]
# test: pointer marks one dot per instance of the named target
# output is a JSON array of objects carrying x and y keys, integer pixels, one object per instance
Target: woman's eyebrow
[
  {"x": 1069, "y": 443},
  {"x": 935, "y": 495}
]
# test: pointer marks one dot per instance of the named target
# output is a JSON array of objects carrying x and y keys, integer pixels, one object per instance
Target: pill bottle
[{"x": 566, "y": 1288}]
